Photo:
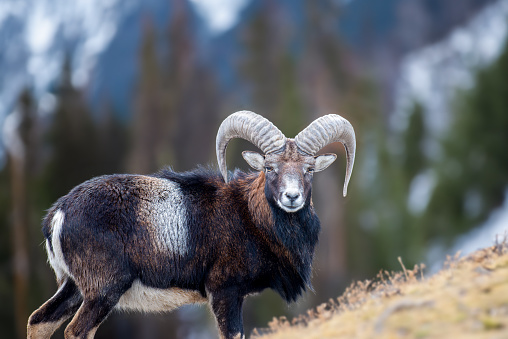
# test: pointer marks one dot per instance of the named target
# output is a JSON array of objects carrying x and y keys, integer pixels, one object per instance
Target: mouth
[{"x": 290, "y": 207}]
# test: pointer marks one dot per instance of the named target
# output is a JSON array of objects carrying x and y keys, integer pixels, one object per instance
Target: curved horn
[
  {"x": 325, "y": 130},
  {"x": 251, "y": 127}
]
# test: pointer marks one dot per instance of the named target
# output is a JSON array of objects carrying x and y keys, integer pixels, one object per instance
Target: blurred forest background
[{"x": 159, "y": 85}]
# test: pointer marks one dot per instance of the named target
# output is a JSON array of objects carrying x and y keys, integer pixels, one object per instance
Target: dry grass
[{"x": 468, "y": 298}]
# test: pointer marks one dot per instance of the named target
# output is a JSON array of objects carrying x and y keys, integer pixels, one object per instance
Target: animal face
[{"x": 288, "y": 174}]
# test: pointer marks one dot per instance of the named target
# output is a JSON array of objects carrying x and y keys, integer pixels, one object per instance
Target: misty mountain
[{"x": 103, "y": 39}]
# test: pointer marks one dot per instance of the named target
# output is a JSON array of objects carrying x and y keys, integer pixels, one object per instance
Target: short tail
[{"x": 46, "y": 228}]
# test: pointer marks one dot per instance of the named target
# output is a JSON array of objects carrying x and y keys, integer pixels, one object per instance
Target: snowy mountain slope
[
  {"x": 433, "y": 74},
  {"x": 34, "y": 35},
  {"x": 104, "y": 36}
]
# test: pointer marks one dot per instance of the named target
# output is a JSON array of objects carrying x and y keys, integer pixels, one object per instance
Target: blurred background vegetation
[{"x": 290, "y": 61}]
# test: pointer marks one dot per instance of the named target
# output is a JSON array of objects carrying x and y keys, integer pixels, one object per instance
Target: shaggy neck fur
[
  {"x": 290, "y": 236},
  {"x": 285, "y": 241}
]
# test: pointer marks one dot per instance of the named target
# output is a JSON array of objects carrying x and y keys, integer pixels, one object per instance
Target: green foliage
[
  {"x": 175, "y": 101},
  {"x": 413, "y": 159},
  {"x": 473, "y": 171},
  {"x": 471, "y": 176},
  {"x": 289, "y": 115},
  {"x": 378, "y": 227},
  {"x": 148, "y": 111},
  {"x": 72, "y": 140},
  {"x": 80, "y": 146}
]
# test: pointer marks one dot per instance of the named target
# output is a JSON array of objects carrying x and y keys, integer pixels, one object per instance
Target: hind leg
[
  {"x": 54, "y": 312},
  {"x": 93, "y": 312}
]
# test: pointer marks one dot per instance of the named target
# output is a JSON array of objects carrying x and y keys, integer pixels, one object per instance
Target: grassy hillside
[{"x": 468, "y": 298}]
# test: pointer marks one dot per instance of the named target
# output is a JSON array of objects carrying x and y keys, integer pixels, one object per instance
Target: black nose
[{"x": 292, "y": 195}]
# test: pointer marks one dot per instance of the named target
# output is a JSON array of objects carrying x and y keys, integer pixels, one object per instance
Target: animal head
[{"x": 288, "y": 164}]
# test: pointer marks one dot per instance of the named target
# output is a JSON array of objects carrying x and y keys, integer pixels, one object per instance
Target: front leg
[{"x": 226, "y": 305}]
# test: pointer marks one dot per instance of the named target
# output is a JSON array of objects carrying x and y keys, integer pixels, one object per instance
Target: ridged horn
[
  {"x": 249, "y": 126},
  {"x": 326, "y": 130}
]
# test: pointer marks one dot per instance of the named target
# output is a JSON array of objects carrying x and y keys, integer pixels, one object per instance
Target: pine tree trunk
[
  {"x": 19, "y": 241},
  {"x": 15, "y": 148}
]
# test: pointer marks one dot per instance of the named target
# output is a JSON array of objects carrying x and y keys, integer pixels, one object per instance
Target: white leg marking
[
  {"x": 43, "y": 330},
  {"x": 69, "y": 335}
]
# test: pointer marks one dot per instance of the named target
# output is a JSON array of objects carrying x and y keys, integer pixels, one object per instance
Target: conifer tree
[
  {"x": 191, "y": 95},
  {"x": 413, "y": 156},
  {"x": 21, "y": 158},
  {"x": 148, "y": 117},
  {"x": 472, "y": 174},
  {"x": 7, "y": 319},
  {"x": 72, "y": 138}
]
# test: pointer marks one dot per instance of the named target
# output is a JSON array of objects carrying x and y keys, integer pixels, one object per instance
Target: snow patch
[
  {"x": 12, "y": 140},
  {"x": 495, "y": 228},
  {"x": 420, "y": 191},
  {"x": 220, "y": 15},
  {"x": 40, "y": 30},
  {"x": 433, "y": 74},
  {"x": 485, "y": 234}
]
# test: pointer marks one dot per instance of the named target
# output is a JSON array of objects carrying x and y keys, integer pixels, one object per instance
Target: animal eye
[
  {"x": 268, "y": 168},
  {"x": 310, "y": 170}
]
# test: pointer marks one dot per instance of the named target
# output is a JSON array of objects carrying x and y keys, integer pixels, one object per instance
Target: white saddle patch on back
[
  {"x": 168, "y": 215},
  {"x": 148, "y": 299}
]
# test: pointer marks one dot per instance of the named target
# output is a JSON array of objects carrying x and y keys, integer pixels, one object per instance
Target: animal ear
[
  {"x": 255, "y": 160},
  {"x": 323, "y": 161}
]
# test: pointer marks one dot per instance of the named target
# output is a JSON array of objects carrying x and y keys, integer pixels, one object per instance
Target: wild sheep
[{"x": 156, "y": 242}]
